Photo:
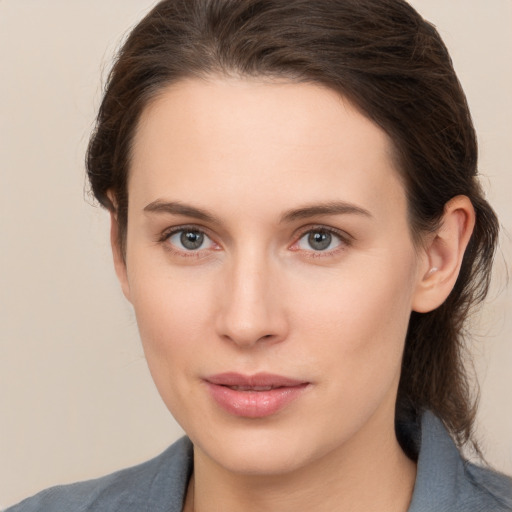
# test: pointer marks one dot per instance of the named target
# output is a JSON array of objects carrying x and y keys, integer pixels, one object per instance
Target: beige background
[{"x": 76, "y": 400}]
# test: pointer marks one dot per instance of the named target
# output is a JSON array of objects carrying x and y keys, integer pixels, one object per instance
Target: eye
[
  {"x": 319, "y": 240},
  {"x": 189, "y": 240}
]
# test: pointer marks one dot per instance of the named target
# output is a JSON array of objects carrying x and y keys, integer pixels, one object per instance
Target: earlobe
[
  {"x": 443, "y": 255},
  {"x": 119, "y": 261}
]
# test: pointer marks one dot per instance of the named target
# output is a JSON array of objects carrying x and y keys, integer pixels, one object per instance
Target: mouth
[
  {"x": 254, "y": 396},
  {"x": 253, "y": 388}
]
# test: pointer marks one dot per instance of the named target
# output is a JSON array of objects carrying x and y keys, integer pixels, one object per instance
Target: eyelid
[
  {"x": 322, "y": 227},
  {"x": 167, "y": 232}
]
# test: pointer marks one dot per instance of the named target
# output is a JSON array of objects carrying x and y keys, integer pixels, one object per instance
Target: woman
[{"x": 297, "y": 223}]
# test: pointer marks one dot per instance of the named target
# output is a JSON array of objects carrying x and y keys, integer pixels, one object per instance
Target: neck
[{"x": 371, "y": 473}]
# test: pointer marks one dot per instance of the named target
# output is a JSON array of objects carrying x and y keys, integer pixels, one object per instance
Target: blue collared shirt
[{"x": 445, "y": 482}]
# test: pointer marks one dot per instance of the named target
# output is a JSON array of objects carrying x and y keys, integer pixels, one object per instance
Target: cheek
[
  {"x": 170, "y": 312},
  {"x": 173, "y": 314},
  {"x": 358, "y": 324}
]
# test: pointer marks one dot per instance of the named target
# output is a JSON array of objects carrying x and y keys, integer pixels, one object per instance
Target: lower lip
[{"x": 254, "y": 404}]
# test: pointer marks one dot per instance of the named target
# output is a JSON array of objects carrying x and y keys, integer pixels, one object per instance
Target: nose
[{"x": 251, "y": 305}]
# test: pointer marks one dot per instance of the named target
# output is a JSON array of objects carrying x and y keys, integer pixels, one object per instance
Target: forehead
[{"x": 248, "y": 140}]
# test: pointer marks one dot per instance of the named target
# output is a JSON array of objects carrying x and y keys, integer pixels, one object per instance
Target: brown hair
[{"x": 394, "y": 67}]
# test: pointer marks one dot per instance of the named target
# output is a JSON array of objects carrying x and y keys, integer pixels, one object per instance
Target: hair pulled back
[{"x": 393, "y": 66}]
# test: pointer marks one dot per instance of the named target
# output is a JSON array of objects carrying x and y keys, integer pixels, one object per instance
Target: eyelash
[
  {"x": 344, "y": 238},
  {"x": 167, "y": 234}
]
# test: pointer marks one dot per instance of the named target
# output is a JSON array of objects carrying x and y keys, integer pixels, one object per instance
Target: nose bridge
[{"x": 250, "y": 309}]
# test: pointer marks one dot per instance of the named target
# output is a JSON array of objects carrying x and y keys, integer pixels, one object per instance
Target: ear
[
  {"x": 117, "y": 253},
  {"x": 443, "y": 255}
]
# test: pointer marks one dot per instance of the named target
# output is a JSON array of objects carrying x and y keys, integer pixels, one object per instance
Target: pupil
[
  {"x": 192, "y": 239},
  {"x": 320, "y": 240}
]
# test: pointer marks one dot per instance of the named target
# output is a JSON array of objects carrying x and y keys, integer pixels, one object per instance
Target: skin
[{"x": 257, "y": 297}]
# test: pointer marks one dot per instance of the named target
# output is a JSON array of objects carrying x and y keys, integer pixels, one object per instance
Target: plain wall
[{"x": 76, "y": 399}]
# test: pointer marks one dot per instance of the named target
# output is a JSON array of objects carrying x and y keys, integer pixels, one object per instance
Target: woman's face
[{"x": 271, "y": 270}]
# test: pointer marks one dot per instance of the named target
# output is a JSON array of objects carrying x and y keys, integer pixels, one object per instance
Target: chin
[{"x": 262, "y": 450}]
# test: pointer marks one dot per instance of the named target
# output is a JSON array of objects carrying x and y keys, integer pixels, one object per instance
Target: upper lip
[{"x": 253, "y": 381}]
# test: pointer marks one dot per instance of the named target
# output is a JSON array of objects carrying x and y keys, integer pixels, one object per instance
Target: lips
[{"x": 254, "y": 396}]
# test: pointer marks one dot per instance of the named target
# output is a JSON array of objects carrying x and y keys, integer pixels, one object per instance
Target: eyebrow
[
  {"x": 177, "y": 208},
  {"x": 329, "y": 208},
  {"x": 305, "y": 212}
]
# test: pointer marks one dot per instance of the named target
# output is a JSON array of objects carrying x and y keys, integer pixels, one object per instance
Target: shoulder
[
  {"x": 488, "y": 488},
  {"x": 446, "y": 482},
  {"x": 160, "y": 483}
]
